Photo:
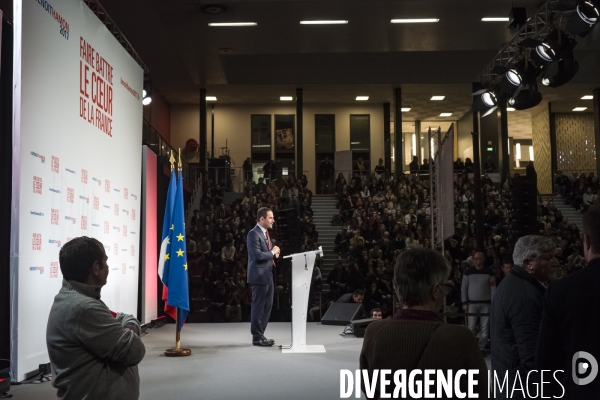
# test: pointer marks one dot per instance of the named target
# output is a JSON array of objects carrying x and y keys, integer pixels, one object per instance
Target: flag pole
[{"x": 177, "y": 351}]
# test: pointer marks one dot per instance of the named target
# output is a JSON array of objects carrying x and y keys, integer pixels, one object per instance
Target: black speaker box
[
  {"x": 360, "y": 326},
  {"x": 341, "y": 313},
  {"x": 4, "y": 381}
]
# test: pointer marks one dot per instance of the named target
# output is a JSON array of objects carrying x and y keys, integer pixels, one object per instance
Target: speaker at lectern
[{"x": 302, "y": 269}]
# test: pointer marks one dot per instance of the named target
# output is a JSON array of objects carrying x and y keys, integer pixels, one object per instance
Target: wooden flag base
[{"x": 178, "y": 352}]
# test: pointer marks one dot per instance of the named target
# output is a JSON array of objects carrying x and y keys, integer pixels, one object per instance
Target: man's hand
[
  {"x": 133, "y": 328},
  {"x": 276, "y": 251}
]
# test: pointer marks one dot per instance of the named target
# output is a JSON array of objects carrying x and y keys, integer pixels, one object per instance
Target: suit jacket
[
  {"x": 570, "y": 324},
  {"x": 260, "y": 265}
]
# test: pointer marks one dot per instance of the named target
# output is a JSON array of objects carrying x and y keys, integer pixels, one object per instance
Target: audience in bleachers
[{"x": 382, "y": 217}]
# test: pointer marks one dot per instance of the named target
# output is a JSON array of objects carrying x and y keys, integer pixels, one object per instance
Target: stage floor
[{"x": 225, "y": 365}]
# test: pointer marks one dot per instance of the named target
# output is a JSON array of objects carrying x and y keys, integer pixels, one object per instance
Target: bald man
[{"x": 478, "y": 287}]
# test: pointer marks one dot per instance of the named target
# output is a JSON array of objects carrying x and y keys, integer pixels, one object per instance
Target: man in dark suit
[
  {"x": 570, "y": 325},
  {"x": 261, "y": 255}
]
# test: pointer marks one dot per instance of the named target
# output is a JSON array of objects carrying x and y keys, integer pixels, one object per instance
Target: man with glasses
[
  {"x": 478, "y": 286},
  {"x": 516, "y": 311}
]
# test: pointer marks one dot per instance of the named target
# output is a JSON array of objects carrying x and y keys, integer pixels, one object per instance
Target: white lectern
[{"x": 302, "y": 269}]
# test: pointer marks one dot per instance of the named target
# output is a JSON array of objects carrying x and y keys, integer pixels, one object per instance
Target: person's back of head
[
  {"x": 419, "y": 275},
  {"x": 77, "y": 257}
]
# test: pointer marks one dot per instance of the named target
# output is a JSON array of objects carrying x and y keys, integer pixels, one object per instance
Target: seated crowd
[
  {"x": 217, "y": 252},
  {"x": 579, "y": 191},
  {"x": 383, "y": 217}
]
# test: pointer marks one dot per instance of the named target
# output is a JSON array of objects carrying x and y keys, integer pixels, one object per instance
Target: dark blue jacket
[
  {"x": 515, "y": 317},
  {"x": 260, "y": 258}
]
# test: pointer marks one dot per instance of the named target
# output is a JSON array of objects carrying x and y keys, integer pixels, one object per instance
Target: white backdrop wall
[{"x": 77, "y": 129}]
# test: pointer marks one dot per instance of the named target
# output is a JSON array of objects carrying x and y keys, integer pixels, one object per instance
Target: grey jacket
[{"x": 93, "y": 355}]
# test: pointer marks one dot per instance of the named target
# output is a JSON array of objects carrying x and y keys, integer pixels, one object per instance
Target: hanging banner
[{"x": 77, "y": 133}]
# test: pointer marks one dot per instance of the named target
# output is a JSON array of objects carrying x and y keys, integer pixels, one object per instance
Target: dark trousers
[{"x": 262, "y": 302}]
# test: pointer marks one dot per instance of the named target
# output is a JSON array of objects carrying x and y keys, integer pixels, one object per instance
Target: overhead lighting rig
[{"x": 541, "y": 47}]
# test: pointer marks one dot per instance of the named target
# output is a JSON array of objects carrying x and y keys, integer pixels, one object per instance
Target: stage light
[
  {"x": 511, "y": 81},
  {"x": 583, "y": 19},
  {"x": 560, "y": 72},
  {"x": 587, "y": 97},
  {"x": 211, "y": 98},
  {"x": 286, "y": 98},
  {"x": 147, "y": 92},
  {"x": 543, "y": 54},
  {"x": 437, "y": 98},
  {"x": 485, "y": 100},
  {"x": 362, "y": 98},
  {"x": 580, "y": 109},
  {"x": 525, "y": 99}
]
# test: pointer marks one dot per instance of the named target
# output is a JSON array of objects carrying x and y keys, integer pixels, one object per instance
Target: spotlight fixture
[
  {"x": 583, "y": 19},
  {"x": 556, "y": 46},
  {"x": 522, "y": 74},
  {"x": 560, "y": 72},
  {"x": 485, "y": 100},
  {"x": 543, "y": 54},
  {"x": 564, "y": 68},
  {"x": 525, "y": 99},
  {"x": 147, "y": 92}
]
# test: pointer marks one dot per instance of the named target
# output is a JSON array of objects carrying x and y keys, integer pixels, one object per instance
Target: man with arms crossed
[
  {"x": 94, "y": 353},
  {"x": 261, "y": 255}
]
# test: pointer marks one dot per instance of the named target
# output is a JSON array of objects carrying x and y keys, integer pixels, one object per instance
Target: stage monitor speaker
[
  {"x": 4, "y": 381},
  {"x": 341, "y": 314},
  {"x": 360, "y": 326}
]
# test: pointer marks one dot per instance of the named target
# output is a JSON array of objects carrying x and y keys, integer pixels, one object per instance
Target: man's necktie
[{"x": 269, "y": 245}]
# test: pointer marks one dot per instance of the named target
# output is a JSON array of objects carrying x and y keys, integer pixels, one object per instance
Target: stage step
[{"x": 324, "y": 208}]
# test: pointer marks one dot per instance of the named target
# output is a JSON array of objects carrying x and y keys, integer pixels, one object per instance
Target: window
[{"x": 360, "y": 139}]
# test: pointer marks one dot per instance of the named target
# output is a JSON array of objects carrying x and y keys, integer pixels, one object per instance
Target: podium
[{"x": 302, "y": 269}]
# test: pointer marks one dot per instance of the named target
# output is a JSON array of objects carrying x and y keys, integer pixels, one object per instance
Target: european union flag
[
  {"x": 175, "y": 275},
  {"x": 165, "y": 251}
]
